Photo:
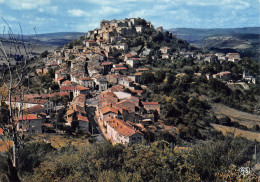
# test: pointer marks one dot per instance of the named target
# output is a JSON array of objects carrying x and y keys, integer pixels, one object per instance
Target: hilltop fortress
[{"x": 111, "y": 31}]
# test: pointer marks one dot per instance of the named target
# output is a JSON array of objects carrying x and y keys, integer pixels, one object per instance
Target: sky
[{"x": 83, "y": 15}]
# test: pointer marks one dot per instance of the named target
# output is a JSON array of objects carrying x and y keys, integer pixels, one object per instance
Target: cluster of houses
[
  {"x": 119, "y": 113},
  {"x": 84, "y": 72},
  {"x": 34, "y": 109}
]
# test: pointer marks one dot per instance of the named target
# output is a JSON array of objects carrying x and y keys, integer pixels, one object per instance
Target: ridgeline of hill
[{"x": 243, "y": 40}]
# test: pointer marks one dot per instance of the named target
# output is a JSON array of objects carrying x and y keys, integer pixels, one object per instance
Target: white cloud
[
  {"x": 78, "y": 13},
  {"x": 109, "y": 10},
  {"x": 9, "y": 18},
  {"x": 27, "y": 4}
]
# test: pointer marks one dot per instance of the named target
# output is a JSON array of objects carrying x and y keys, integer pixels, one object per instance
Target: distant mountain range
[
  {"x": 243, "y": 40},
  {"x": 52, "y": 39},
  {"x": 195, "y": 35}
]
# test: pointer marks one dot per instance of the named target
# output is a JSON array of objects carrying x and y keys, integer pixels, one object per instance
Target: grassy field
[
  {"x": 237, "y": 132},
  {"x": 60, "y": 140},
  {"x": 243, "y": 118}
]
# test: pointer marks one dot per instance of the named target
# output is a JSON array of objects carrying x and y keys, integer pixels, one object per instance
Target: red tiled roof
[
  {"x": 122, "y": 68},
  {"x": 122, "y": 127},
  {"x": 86, "y": 79},
  {"x": 83, "y": 118},
  {"x": 60, "y": 78},
  {"x": 62, "y": 94},
  {"x": 107, "y": 93},
  {"x": 67, "y": 88},
  {"x": 66, "y": 82},
  {"x": 1, "y": 131},
  {"x": 81, "y": 88},
  {"x": 106, "y": 63},
  {"x": 129, "y": 55},
  {"x": 35, "y": 109},
  {"x": 29, "y": 117},
  {"x": 126, "y": 103},
  {"x": 109, "y": 109},
  {"x": 150, "y": 103}
]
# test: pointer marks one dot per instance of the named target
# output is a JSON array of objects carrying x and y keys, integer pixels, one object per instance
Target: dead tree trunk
[{"x": 13, "y": 82}]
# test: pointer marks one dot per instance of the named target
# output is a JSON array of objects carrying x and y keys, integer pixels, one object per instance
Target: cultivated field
[
  {"x": 243, "y": 118},
  {"x": 237, "y": 132}
]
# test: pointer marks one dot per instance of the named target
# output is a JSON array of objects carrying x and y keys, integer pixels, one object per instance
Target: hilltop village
[{"x": 103, "y": 70}]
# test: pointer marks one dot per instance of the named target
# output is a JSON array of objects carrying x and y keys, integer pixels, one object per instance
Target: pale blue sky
[{"x": 83, "y": 15}]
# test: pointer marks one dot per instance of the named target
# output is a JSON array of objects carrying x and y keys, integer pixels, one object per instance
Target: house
[
  {"x": 165, "y": 50},
  {"x": 107, "y": 113},
  {"x": 35, "y": 109},
  {"x": 223, "y": 75},
  {"x": 151, "y": 106},
  {"x": 87, "y": 82},
  {"x": 113, "y": 79},
  {"x": 165, "y": 56},
  {"x": 121, "y": 132},
  {"x": 91, "y": 43},
  {"x": 128, "y": 56},
  {"x": 122, "y": 46},
  {"x": 30, "y": 102},
  {"x": 127, "y": 82},
  {"x": 233, "y": 55},
  {"x": 102, "y": 83},
  {"x": 107, "y": 66},
  {"x": 80, "y": 90},
  {"x": 60, "y": 80},
  {"x": 133, "y": 62},
  {"x": 83, "y": 123},
  {"x": 30, "y": 123},
  {"x": 122, "y": 95},
  {"x": 130, "y": 106},
  {"x": 139, "y": 28}
]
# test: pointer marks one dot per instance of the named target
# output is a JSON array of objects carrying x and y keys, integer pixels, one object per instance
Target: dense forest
[{"x": 218, "y": 160}]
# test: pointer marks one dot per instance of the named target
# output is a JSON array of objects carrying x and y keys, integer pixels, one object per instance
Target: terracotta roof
[
  {"x": 1, "y": 131},
  {"x": 142, "y": 69},
  {"x": 106, "y": 63},
  {"x": 29, "y": 117},
  {"x": 62, "y": 94},
  {"x": 129, "y": 55},
  {"x": 122, "y": 68},
  {"x": 126, "y": 104},
  {"x": 86, "y": 79},
  {"x": 69, "y": 112},
  {"x": 108, "y": 109},
  {"x": 81, "y": 88},
  {"x": 122, "y": 127},
  {"x": 83, "y": 118},
  {"x": 34, "y": 109},
  {"x": 60, "y": 78},
  {"x": 66, "y": 82},
  {"x": 150, "y": 103},
  {"x": 67, "y": 88},
  {"x": 107, "y": 93}
]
